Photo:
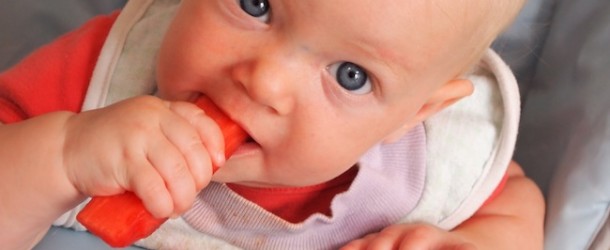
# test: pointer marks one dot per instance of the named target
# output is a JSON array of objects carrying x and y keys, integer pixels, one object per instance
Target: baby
[{"x": 316, "y": 84}]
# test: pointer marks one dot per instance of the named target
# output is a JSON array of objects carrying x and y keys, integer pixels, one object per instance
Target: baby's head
[{"x": 316, "y": 83}]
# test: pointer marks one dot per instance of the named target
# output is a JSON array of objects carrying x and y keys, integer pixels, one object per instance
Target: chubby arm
[
  {"x": 512, "y": 220},
  {"x": 34, "y": 188}
]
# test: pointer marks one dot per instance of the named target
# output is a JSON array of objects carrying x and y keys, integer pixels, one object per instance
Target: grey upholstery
[
  {"x": 565, "y": 128},
  {"x": 27, "y": 24}
]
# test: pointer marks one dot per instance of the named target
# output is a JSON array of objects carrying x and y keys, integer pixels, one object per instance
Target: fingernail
[{"x": 220, "y": 159}]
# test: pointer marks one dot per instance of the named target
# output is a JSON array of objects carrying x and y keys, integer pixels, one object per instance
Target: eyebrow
[{"x": 380, "y": 55}]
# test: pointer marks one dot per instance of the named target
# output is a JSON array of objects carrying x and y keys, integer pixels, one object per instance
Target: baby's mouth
[
  {"x": 248, "y": 146},
  {"x": 251, "y": 142}
]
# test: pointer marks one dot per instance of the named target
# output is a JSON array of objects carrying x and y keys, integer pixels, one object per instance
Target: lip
[
  {"x": 251, "y": 143},
  {"x": 251, "y": 139},
  {"x": 248, "y": 146},
  {"x": 246, "y": 149},
  {"x": 225, "y": 111}
]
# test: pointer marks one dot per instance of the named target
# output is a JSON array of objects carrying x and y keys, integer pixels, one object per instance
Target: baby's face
[{"x": 316, "y": 83}]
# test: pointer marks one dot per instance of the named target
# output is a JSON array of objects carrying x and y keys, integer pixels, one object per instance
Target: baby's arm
[
  {"x": 160, "y": 150},
  {"x": 512, "y": 220},
  {"x": 34, "y": 187}
]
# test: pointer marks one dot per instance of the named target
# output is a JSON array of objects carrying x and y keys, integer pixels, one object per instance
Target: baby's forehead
[
  {"x": 371, "y": 18},
  {"x": 389, "y": 26}
]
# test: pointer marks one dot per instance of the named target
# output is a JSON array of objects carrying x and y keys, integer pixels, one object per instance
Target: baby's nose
[{"x": 270, "y": 82}]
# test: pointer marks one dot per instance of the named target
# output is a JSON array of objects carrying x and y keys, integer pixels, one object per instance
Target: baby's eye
[
  {"x": 351, "y": 77},
  {"x": 256, "y": 8}
]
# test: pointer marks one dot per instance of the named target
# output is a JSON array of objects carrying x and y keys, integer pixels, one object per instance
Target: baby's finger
[
  {"x": 418, "y": 236},
  {"x": 148, "y": 185},
  {"x": 188, "y": 143},
  {"x": 361, "y": 243},
  {"x": 209, "y": 132},
  {"x": 354, "y": 245},
  {"x": 171, "y": 165}
]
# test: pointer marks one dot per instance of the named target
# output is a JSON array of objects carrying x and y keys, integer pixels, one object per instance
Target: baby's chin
[
  {"x": 249, "y": 168},
  {"x": 249, "y": 181},
  {"x": 288, "y": 182},
  {"x": 247, "y": 148}
]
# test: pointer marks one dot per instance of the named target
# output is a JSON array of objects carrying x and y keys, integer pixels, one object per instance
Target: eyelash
[
  {"x": 367, "y": 86},
  {"x": 264, "y": 18}
]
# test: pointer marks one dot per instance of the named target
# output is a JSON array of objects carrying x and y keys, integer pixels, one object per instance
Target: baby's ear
[{"x": 443, "y": 97}]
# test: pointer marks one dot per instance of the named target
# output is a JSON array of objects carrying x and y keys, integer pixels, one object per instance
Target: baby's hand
[
  {"x": 409, "y": 237},
  {"x": 162, "y": 151}
]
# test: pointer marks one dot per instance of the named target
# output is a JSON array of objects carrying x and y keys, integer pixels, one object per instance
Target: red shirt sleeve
[{"x": 56, "y": 76}]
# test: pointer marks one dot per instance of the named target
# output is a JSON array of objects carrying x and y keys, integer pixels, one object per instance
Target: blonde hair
[{"x": 489, "y": 21}]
